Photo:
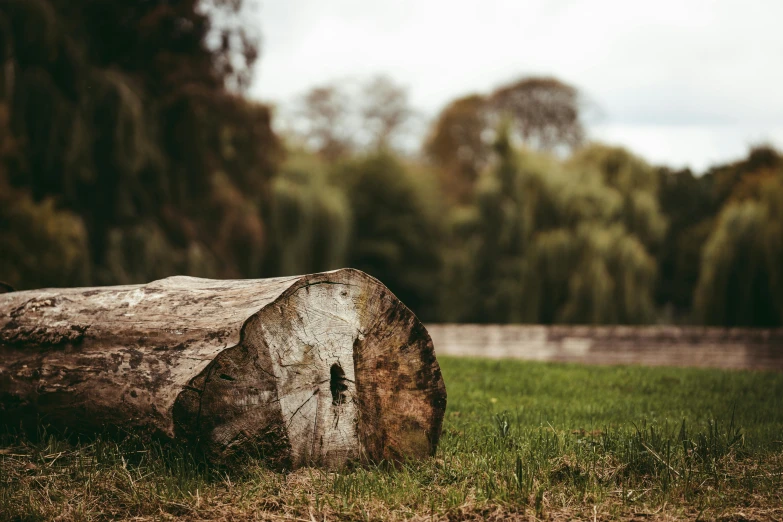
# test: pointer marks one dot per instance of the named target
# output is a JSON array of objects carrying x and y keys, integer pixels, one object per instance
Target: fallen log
[{"x": 323, "y": 369}]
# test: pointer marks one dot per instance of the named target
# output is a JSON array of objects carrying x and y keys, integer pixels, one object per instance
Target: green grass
[{"x": 520, "y": 440}]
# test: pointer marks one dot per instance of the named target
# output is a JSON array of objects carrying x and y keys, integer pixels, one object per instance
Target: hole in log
[
  {"x": 337, "y": 384},
  {"x": 226, "y": 377}
]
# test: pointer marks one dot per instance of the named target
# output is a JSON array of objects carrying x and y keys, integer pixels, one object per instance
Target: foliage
[
  {"x": 742, "y": 261},
  {"x": 310, "y": 221},
  {"x": 457, "y": 144},
  {"x": 597, "y": 274},
  {"x": 120, "y": 115},
  {"x": 637, "y": 185},
  {"x": 687, "y": 202},
  {"x": 560, "y": 241},
  {"x": 396, "y": 228},
  {"x": 42, "y": 246},
  {"x": 541, "y": 113},
  {"x": 520, "y": 440}
]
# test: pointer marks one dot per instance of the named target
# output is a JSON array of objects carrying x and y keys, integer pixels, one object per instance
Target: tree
[
  {"x": 554, "y": 241},
  {"x": 687, "y": 202},
  {"x": 126, "y": 115},
  {"x": 635, "y": 182},
  {"x": 542, "y": 113},
  {"x": 741, "y": 275},
  {"x": 458, "y": 145},
  {"x": 42, "y": 246},
  {"x": 233, "y": 43},
  {"x": 385, "y": 111},
  {"x": 322, "y": 118},
  {"x": 545, "y": 112},
  {"x": 596, "y": 274},
  {"x": 396, "y": 228},
  {"x": 310, "y": 219},
  {"x": 347, "y": 117},
  {"x": 504, "y": 231},
  {"x": 726, "y": 180}
]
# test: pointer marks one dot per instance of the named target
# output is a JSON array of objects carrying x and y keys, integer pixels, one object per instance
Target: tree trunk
[{"x": 322, "y": 369}]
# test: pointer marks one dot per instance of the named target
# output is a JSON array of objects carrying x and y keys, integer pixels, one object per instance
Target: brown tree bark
[{"x": 322, "y": 369}]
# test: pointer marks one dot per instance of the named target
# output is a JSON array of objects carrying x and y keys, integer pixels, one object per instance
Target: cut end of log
[{"x": 335, "y": 370}]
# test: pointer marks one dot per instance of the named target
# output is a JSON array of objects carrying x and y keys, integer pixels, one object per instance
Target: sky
[{"x": 684, "y": 83}]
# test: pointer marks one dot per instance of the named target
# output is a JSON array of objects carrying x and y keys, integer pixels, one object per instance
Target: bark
[{"x": 323, "y": 369}]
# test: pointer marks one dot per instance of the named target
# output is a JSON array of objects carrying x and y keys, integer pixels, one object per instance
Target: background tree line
[{"x": 128, "y": 152}]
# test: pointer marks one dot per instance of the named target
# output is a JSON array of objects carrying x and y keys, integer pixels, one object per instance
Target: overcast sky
[{"x": 680, "y": 82}]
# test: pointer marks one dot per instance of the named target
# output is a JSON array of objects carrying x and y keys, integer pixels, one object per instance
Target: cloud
[{"x": 653, "y": 65}]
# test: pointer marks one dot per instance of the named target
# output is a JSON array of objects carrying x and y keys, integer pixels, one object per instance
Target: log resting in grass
[{"x": 324, "y": 369}]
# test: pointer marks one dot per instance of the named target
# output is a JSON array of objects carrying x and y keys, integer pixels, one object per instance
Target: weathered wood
[{"x": 323, "y": 369}]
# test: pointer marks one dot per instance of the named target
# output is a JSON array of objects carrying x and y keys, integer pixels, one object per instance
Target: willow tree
[
  {"x": 589, "y": 262},
  {"x": 741, "y": 278},
  {"x": 503, "y": 228},
  {"x": 635, "y": 181},
  {"x": 555, "y": 241},
  {"x": 596, "y": 274}
]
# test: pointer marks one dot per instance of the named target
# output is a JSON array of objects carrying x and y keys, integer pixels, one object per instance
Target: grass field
[{"x": 521, "y": 440}]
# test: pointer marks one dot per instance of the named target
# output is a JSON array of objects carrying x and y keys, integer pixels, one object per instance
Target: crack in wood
[{"x": 291, "y": 418}]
